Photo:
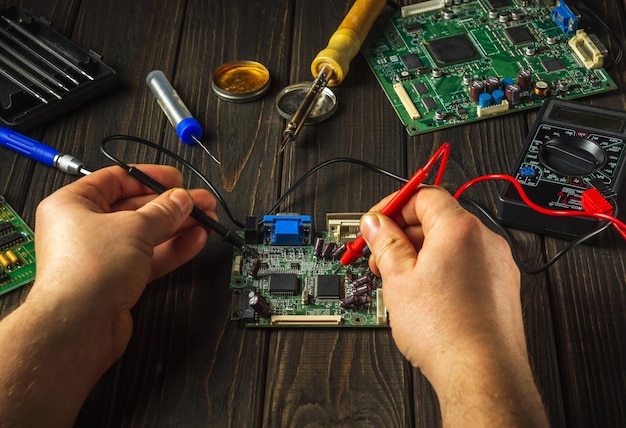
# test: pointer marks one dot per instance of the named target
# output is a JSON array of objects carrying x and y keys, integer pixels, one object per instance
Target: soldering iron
[{"x": 331, "y": 64}]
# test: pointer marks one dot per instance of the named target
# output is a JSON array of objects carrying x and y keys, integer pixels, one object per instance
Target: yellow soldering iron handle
[{"x": 346, "y": 41}]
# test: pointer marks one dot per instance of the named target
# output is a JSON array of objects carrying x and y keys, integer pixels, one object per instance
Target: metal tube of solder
[{"x": 168, "y": 98}]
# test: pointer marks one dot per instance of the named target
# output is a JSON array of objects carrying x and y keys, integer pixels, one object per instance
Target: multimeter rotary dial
[
  {"x": 570, "y": 148},
  {"x": 572, "y": 155}
]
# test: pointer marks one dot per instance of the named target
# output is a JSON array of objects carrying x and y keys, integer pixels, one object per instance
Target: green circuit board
[
  {"x": 439, "y": 62},
  {"x": 17, "y": 249},
  {"x": 303, "y": 285}
]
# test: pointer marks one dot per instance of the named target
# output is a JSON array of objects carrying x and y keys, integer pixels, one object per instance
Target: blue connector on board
[
  {"x": 287, "y": 229},
  {"x": 565, "y": 18}
]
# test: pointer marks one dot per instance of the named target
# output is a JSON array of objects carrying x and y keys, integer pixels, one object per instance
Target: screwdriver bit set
[{"x": 42, "y": 73}]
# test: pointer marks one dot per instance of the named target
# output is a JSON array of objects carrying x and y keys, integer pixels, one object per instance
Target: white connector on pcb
[
  {"x": 423, "y": 7},
  {"x": 586, "y": 50}
]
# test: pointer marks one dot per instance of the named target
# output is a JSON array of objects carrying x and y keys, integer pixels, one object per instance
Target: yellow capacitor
[
  {"x": 13, "y": 258},
  {"x": 5, "y": 262}
]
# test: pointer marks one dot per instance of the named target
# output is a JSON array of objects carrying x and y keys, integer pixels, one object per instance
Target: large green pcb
[{"x": 447, "y": 63}]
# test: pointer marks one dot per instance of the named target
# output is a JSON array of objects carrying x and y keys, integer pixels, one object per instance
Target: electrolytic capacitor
[
  {"x": 524, "y": 79},
  {"x": 362, "y": 289},
  {"x": 492, "y": 83},
  {"x": 5, "y": 262},
  {"x": 260, "y": 305},
  {"x": 255, "y": 267},
  {"x": 328, "y": 250},
  {"x": 485, "y": 100},
  {"x": 476, "y": 87},
  {"x": 513, "y": 94},
  {"x": 498, "y": 96},
  {"x": 317, "y": 247},
  {"x": 349, "y": 301},
  {"x": 13, "y": 258},
  {"x": 365, "y": 279},
  {"x": 339, "y": 251}
]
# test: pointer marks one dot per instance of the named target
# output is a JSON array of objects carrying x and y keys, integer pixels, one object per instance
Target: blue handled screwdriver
[
  {"x": 187, "y": 127},
  {"x": 41, "y": 153}
]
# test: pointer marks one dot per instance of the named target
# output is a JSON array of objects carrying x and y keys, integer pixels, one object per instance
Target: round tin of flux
[
  {"x": 289, "y": 99},
  {"x": 240, "y": 81}
]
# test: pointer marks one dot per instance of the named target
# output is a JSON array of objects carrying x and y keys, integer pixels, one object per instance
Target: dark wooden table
[{"x": 187, "y": 364}]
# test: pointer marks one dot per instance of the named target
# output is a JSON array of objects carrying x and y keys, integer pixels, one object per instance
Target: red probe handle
[{"x": 354, "y": 249}]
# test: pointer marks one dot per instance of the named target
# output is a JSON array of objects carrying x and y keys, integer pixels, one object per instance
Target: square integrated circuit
[
  {"x": 552, "y": 65},
  {"x": 329, "y": 287},
  {"x": 518, "y": 35},
  {"x": 452, "y": 50},
  {"x": 284, "y": 284}
]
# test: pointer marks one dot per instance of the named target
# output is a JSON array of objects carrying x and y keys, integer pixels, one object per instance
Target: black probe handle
[{"x": 196, "y": 213}]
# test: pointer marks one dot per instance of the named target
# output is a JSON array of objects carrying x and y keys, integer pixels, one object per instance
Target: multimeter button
[{"x": 527, "y": 171}]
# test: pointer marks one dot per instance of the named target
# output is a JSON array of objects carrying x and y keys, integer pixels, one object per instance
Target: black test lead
[
  {"x": 197, "y": 214},
  {"x": 187, "y": 127}
]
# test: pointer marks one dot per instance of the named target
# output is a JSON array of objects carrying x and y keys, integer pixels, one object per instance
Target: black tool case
[{"x": 42, "y": 73}]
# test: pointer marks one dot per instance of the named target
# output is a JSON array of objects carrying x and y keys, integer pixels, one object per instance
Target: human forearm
[
  {"x": 490, "y": 386},
  {"x": 452, "y": 291},
  {"x": 52, "y": 355}
]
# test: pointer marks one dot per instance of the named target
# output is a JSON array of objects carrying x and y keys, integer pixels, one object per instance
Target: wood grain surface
[{"x": 187, "y": 364}]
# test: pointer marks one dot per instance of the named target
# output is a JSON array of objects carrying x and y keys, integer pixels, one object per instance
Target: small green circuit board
[
  {"x": 17, "y": 249},
  {"x": 434, "y": 59},
  {"x": 304, "y": 286}
]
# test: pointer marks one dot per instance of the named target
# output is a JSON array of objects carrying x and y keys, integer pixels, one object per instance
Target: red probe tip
[{"x": 354, "y": 250}]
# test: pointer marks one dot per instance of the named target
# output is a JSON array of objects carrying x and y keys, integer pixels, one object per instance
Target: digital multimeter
[{"x": 570, "y": 146}]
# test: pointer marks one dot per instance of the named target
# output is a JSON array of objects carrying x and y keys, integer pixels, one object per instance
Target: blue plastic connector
[
  {"x": 287, "y": 229},
  {"x": 565, "y": 18}
]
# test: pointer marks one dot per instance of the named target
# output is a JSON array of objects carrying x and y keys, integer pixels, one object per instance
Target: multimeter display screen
[{"x": 586, "y": 118}]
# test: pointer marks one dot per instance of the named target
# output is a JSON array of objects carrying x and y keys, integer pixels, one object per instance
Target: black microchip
[
  {"x": 553, "y": 64},
  {"x": 411, "y": 61},
  {"x": 499, "y": 4},
  {"x": 518, "y": 35},
  {"x": 452, "y": 50},
  {"x": 420, "y": 88},
  {"x": 286, "y": 284},
  {"x": 429, "y": 103},
  {"x": 329, "y": 287},
  {"x": 413, "y": 27}
]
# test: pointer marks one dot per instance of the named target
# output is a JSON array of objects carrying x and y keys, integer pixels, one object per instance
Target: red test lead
[{"x": 354, "y": 249}]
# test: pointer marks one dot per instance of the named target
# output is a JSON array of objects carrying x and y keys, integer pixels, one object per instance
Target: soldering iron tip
[{"x": 284, "y": 144}]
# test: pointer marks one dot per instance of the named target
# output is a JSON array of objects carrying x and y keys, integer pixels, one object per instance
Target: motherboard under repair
[{"x": 298, "y": 281}]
